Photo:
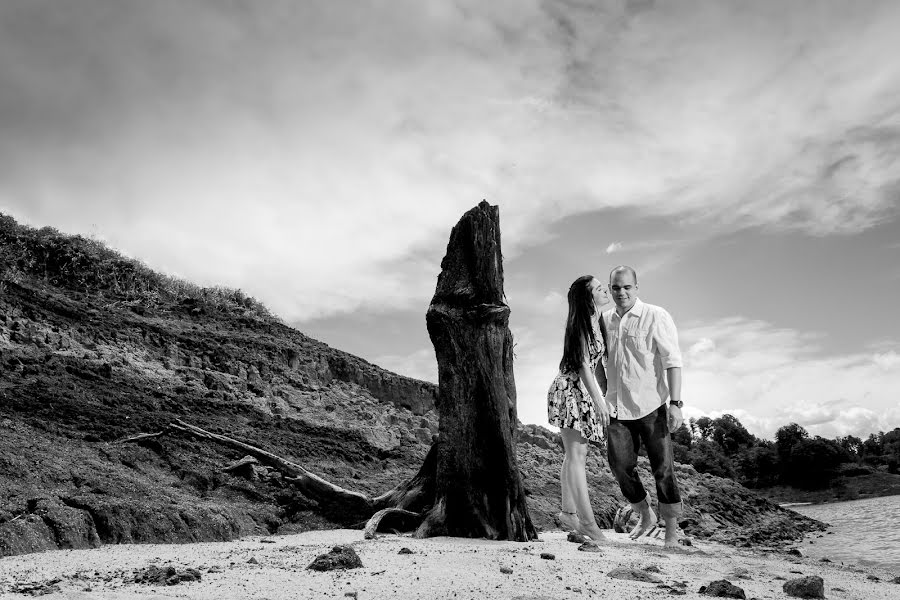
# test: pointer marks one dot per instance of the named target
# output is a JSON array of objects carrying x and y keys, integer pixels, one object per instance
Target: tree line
[{"x": 723, "y": 447}]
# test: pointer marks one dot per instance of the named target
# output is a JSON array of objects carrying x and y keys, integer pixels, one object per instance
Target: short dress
[{"x": 569, "y": 403}]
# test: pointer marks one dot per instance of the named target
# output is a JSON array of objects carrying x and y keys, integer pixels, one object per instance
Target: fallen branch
[{"x": 139, "y": 438}]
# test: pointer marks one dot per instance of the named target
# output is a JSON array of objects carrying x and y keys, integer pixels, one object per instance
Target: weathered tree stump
[{"x": 479, "y": 491}]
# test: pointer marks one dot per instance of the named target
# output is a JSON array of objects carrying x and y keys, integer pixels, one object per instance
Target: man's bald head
[{"x": 623, "y": 269}]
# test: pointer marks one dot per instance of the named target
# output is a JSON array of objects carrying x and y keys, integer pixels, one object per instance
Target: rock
[
  {"x": 740, "y": 573},
  {"x": 805, "y": 587},
  {"x": 795, "y": 552},
  {"x": 721, "y": 588},
  {"x": 41, "y": 588},
  {"x": 576, "y": 537},
  {"x": 340, "y": 557},
  {"x": 252, "y": 561},
  {"x": 405, "y": 550},
  {"x": 633, "y": 575},
  {"x": 548, "y": 556},
  {"x": 243, "y": 467},
  {"x": 685, "y": 541},
  {"x": 589, "y": 546},
  {"x": 896, "y": 579},
  {"x": 154, "y": 575},
  {"x": 506, "y": 570},
  {"x": 873, "y": 578}
]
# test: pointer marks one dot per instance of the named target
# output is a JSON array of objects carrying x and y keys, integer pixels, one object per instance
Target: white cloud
[
  {"x": 317, "y": 154},
  {"x": 614, "y": 247},
  {"x": 769, "y": 377}
]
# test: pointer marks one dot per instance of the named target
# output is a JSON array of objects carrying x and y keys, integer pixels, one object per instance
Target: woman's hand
[{"x": 602, "y": 412}]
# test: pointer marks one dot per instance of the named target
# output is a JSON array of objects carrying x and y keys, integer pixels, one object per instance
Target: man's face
[{"x": 624, "y": 289}]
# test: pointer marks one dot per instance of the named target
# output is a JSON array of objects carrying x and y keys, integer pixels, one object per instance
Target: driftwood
[{"x": 469, "y": 483}]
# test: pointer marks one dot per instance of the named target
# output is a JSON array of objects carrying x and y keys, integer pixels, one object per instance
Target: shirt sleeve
[{"x": 666, "y": 340}]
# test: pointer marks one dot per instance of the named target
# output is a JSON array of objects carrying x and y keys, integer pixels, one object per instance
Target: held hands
[
  {"x": 602, "y": 413},
  {"x": 674, "y": 418}
]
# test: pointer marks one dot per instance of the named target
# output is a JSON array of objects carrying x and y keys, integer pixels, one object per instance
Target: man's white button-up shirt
[{"x": 643, "y": 343}]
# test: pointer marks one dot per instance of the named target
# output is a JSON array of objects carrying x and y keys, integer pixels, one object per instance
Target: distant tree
[
  {"x": 758, "y": 466},
  {"x": 707, "y": 457},
  {"x": 891, "y": 450},
  {"x": 813, "y": 462},
  {"x": 730, "y": 435},
  {"x": 704, "y": 427},
  {"x": 681, "y": 444},
  {"x": 786, "y": 438},
  {"x": 873, "y": 448},
  {"x": 851, "y": 444}
]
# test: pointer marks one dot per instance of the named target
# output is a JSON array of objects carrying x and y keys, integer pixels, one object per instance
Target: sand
[{"x": 440, "y": 567}]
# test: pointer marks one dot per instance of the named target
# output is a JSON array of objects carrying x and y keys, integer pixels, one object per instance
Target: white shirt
[{"x": 643, "y": 343}]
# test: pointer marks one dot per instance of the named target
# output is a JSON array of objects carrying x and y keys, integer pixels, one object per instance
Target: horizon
[{"x": 743, "y": 158}]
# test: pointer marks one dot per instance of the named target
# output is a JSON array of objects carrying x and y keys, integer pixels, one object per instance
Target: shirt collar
[{"x": 637, "y": 309}]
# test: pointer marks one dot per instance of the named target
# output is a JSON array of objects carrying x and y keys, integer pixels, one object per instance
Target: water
[{"x": 865, "y": 532}]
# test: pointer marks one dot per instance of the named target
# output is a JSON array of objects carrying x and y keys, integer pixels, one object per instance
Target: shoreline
[{"x": 441, "y": 567}]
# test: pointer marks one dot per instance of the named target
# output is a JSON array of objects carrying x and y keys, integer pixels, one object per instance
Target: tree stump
[{"x": 478, "y": 488}]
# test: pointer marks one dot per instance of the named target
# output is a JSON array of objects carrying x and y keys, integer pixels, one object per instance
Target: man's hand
[{"x": 675, "y": 418}]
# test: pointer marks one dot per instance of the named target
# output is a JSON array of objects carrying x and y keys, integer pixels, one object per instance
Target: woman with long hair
[{"x": 575, "y": 403}]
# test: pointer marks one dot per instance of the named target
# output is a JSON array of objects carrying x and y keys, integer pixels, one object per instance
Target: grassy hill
[{"x": 96, "y": 347}]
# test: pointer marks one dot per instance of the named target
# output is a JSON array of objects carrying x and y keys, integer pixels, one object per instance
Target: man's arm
[{"x": 673, "y": 378}]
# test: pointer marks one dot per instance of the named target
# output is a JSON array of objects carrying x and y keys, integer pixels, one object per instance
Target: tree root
[{"x": 403, "y": 507}]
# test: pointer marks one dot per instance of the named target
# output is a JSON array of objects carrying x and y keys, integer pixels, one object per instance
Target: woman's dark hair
[{"x": 578, "y": 324}]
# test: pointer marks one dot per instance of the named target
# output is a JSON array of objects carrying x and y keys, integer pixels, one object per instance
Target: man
[{"x": 643, "y": 371}]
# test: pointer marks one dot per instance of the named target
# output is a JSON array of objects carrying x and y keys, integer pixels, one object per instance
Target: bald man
[{"x": 643, "y": 371}]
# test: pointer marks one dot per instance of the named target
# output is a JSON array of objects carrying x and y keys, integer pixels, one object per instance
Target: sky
[{"x": 743, "y": 157}]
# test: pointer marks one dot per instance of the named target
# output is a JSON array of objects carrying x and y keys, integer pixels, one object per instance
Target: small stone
[
  {"x": 405, "y": 550},
  {"x": 825, "y": 559},
  {"x": 873, "y": 578},
  {"x": 252, "y": 561},
  {"x": 805, "y": 587},
  {"x": 589, "y": 546},
  {"x": 548, "y": 556},
  {"x": 340, "y": 557},
  {"x": 633, "y": 575},
  {"x": 350, "y": 594},
  {"x": 896, "y": 579},
  {"x": 576, "y": 537},
  {"x": 652, "y": 569},
  {"x": 506, "y": 570},
  {"x": 685, "y": 541},
  {"x": 721, "y": 588},
  {"x": 795, "y": 552}
]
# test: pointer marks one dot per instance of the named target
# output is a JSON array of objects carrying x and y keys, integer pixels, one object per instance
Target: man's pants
[{"x": 624, "y": 441}]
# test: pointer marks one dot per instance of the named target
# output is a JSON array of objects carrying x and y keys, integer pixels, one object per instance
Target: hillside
[{"x": 95, "y": 348}]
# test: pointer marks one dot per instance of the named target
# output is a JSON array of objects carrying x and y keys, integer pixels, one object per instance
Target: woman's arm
[
  {"x": 600, "y": 374},
  {"x": 590, "y": 382}
]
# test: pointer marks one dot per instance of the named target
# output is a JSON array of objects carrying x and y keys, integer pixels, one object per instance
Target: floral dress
[{"x": 569, "y": 403}]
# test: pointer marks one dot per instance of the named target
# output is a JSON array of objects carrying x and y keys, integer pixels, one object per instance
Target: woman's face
[{"x": 599, "y": 293}]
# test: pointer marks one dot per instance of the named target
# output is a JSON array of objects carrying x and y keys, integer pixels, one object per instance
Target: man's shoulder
[{"x": 656, "y": 311}]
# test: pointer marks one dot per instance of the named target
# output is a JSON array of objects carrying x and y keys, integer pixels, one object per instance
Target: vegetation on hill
[
  {"x": 724, "y": 447},
  {"x": 87, "y": 266}
]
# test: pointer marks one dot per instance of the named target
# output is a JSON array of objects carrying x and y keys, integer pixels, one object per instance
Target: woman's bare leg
[{"x": 575, "y": 478}]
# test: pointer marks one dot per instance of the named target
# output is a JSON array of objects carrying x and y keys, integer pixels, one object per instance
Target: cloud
[
  {"x": 769, "y": 377},
  {"x": 614, "y": 247},
  {"x": 317, "y": 154}
]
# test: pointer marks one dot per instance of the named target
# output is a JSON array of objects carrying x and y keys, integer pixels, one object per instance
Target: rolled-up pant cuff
[
  {"x": 641, "y": 504},
  {"x": 670, "y": 511}
]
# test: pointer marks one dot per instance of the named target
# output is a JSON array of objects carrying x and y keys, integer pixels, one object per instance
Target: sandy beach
[{"x": 276, "y": 568}]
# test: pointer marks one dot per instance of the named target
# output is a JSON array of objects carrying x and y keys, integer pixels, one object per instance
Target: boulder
[
  {"x": 340, "y": 557},
  {"x": 811, "y": 586},
  {"x": 721, "y": 588}
]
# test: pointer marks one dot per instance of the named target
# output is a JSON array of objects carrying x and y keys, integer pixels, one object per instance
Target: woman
[{"x": 575, "y": 403}]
